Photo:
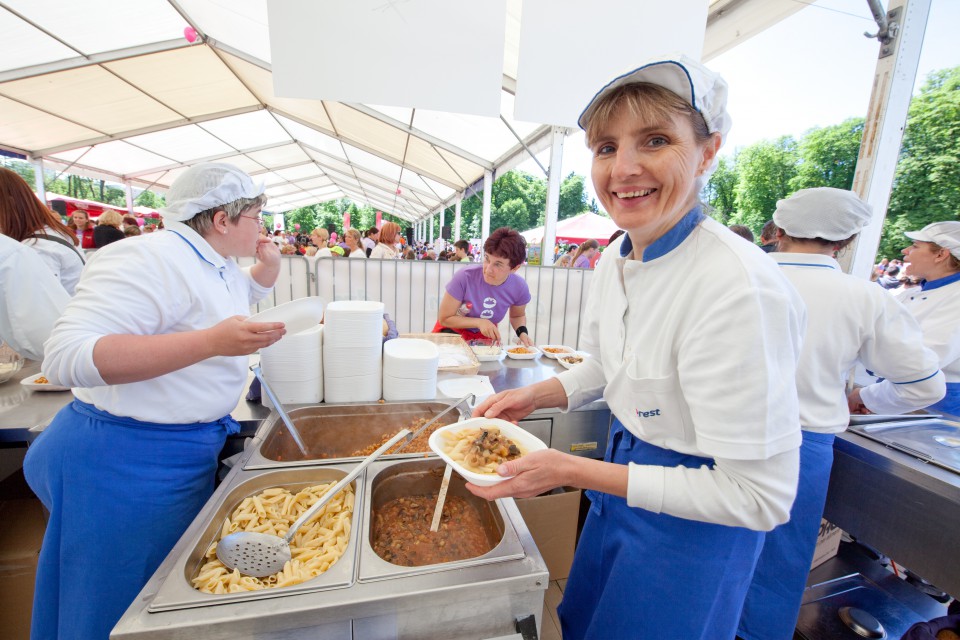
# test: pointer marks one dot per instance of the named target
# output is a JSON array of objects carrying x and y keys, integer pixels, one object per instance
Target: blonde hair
[
  {"x": 322, "y": 233},
  {"x": 584, "y": 246},
  {"x": 353, "y": 233},
  {"x": 645, "y": 102},
  {"x": 110, "y": 218}
]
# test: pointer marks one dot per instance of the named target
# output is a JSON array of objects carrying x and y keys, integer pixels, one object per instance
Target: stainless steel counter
[
  {"x": 902, "y": 506},
  {"x": 22, "y": 409}
]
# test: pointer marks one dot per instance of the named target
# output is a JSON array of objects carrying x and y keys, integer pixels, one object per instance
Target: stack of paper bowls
[
  {"x": 293, "y": 367},
  {"x": 410, "y": 369},
  {"x": 352, "y": 346}
]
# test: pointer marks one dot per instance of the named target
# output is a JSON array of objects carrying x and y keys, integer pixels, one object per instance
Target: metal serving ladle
[
  {"x": 279, "y": 407},
  {"x": 261, "y": 554}
]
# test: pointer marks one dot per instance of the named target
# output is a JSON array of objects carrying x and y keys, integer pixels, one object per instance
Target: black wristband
[{"x": 521, "y": 329}]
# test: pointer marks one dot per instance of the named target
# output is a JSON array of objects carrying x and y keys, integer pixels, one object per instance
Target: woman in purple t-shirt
[{"x": 478, "y": 298}]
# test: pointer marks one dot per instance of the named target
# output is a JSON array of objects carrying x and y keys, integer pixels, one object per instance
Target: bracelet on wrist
[{"x": 521, "y": 329}]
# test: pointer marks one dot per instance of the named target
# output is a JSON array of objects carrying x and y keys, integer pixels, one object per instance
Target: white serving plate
[
  {"x": 31, "y": 383},
  {"x": 459, "y": 386},
  {"x": 568, "y": 365},
  {"x": 568, "y": 350},
  {"x": 534, "y": 352},
  {"x": 487, "y": 353},
  {"x": 298, "y": 315},
  {"x": 524, "y": 439}
]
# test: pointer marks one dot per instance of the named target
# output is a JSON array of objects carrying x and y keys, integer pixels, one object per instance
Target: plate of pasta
[
  {"x": 556, "y": 350},
  {"x": 520, "y": 352},
  {"x": 476, "y": 447},
  {"x": 39, "y": 382}
]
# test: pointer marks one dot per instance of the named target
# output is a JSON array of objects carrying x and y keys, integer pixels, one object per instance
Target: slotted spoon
[{"x": 261, "y": 554}]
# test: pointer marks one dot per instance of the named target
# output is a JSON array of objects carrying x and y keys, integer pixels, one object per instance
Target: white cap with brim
[
  {"x": 205, "y": 186},
  {"x": 824, "y": 212},
  {"x": 700, "y": 87},
  {"x": 943, "y": 234}
]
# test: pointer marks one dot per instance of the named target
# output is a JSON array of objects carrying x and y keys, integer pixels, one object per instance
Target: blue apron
[
  {"x": 950, "y": 402},
  {"x": 120, "y": 494},
  {"x": 638, "y": 574},
  {"x": 773, "y": 601}
]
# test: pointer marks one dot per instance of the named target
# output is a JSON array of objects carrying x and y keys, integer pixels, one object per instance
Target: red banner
[
  {"x": 346, "y": 221},
  {"x": 379, "y": 219}
]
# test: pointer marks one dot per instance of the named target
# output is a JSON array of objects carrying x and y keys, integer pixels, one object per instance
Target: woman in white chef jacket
[
  {"x": 849, "y": 320},
  {"x": 156, "y": 367},
  {"x": 934, "y": 257},
  {"x": 694, "y": 337}
]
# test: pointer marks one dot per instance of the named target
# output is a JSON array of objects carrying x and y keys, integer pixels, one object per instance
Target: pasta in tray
[
  {"x": 480, "y": 449},
  {"x": 314, "y": 549}
]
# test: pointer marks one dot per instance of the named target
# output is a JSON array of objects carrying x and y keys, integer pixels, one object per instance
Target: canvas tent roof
[{"x": 113, "y": 90}]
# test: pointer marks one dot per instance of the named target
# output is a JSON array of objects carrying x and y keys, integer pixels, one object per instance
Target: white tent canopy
[{"x": 113, "y": 90}]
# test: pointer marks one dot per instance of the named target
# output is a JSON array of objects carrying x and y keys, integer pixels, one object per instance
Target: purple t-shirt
[
  {"x": 481, "y": 300},
  {"x": 583, "y": 262}
]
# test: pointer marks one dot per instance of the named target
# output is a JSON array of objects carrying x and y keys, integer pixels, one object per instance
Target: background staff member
[
  {"x": 934, "y": 256},
  {"x": 694, "y": 337},
  {"x": 156, "y": 367},
  {"x": 478, "y": 297},
  {"x": 849, "y": 320}
]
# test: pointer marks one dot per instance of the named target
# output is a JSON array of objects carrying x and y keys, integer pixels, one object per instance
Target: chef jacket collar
[
  {"x": 668, "y": 241},
  {"x": 804, "y": 260},
  {"x": 200, "y": 246},
  {"x": 939, "y": 282}
]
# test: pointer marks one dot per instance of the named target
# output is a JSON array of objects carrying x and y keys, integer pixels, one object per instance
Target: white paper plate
[
  {"x": 534, "y": 352},
  {"x": 487, "y": 353},
  {"x": 298, "y": 315},
  {"x": 459, "y": 386},
  {"x": 527, "y": 442},
  {"x": 31, "y": 383},
  {"x": 567, "y": 350},
  {"x": 568, "y": 365}
]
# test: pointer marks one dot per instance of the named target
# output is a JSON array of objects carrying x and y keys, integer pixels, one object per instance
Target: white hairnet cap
[
  {"x": 824, "y": 212},
  {"x": 207, "y": 185},
  {"x": 944, "y": 234},
  {"x": 700, "y": 87}
]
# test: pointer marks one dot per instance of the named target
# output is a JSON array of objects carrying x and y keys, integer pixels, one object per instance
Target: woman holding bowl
[
  {"x": 694, "y": 337},
  {"x": 156, "y": 367}
]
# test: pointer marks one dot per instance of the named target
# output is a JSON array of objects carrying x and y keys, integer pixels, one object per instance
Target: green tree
[
  {"x": 927, "y": 182},
  {"x": 720, "y": 191},
  {"x": 765, "y": 170},
  {"x": 828, "y": 156},
  {"x": 149, "y": 199},
  {"x": 573, "y": 198}
]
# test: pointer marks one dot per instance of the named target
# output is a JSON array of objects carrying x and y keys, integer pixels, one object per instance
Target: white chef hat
[
  {"x": 824, "y": 212},
  {"x": 205, "y": 186},
  {"x": 944, "y": 234},
  {"x": 700, "y": 87}
]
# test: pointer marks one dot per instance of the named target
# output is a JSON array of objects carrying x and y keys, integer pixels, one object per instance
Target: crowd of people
[{"x": 726, "y": 394}]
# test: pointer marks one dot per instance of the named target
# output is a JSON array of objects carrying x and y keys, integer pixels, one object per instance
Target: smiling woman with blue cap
[
  {"x": 850, "y": 320},
  {"x": 694, "y": 336},
  {"x": 156, "y": 364}
]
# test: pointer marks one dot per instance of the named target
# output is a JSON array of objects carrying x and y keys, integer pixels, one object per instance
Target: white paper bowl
[
  {"x": 566, "y": 350},
  {"x": 487, "y": 353},
  {"x": 534, "y": 352},
  {"x": 524, "y": 439},
  {"x": 298, "y": 315},
  {"x": 570, "y": 365}
]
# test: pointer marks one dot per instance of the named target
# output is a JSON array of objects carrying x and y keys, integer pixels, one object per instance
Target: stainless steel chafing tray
[
  {"x": 177, "y": 591},
  {"x": 332, "y": 433},
  {"x": 419, "y": 477}
]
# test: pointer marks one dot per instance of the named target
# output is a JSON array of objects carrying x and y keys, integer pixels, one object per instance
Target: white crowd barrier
[{"x": 411, "y": 291}]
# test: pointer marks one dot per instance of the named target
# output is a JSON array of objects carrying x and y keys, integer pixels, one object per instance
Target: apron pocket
[{"x": 652, "y": 408}]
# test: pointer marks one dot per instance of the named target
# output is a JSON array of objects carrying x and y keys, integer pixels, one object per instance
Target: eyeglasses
[{"x": 259, "y": 219}]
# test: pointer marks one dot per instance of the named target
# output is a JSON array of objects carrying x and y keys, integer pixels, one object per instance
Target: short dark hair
[
  {"x": 742, "y": 231},
  {"x": 769, "y": 232},
  {"x": 892, "y": 271},
  {"x": 462, "y": 244},
  {"x": 507, "y": 243}
]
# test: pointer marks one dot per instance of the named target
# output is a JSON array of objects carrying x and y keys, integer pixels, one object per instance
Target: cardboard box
[
  {"x": 828, "y": 542},
  {"x": 552, "y": 520},
  {"x": 22, "y": 524}
]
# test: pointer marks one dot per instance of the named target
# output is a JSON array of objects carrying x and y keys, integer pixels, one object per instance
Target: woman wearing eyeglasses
[{"x": 156, "y": 367}]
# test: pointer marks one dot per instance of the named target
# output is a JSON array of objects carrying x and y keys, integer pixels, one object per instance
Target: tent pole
[
  {"x": 456, "y": 231},
  {"x": 38, "y": 178},
  {"x": 553, "y": 197},
  {"x": 487, "y": 195}
]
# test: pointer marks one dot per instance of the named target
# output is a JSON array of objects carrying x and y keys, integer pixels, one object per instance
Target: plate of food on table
[
  {"x": 556, "y": 350},
  {"x": 521, "y": 352},
  {"x": 476, "y": 447},
  {"x": 572, "y": 359},
  {"x": 39, "y": 382}
]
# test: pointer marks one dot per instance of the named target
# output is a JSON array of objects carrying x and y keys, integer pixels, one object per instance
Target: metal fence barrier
[{"x": 411, "y": 291}]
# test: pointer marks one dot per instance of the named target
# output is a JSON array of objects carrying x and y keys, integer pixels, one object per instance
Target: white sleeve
[
  {"x": 257, "y": 291},
  {"x": 33, "y": 300},
  {"x": 108, "y": 302},
  {"x": 911, "y": 371},
  {"x": 756, "y": 494},
  {"x": 585, "y": 383}
]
